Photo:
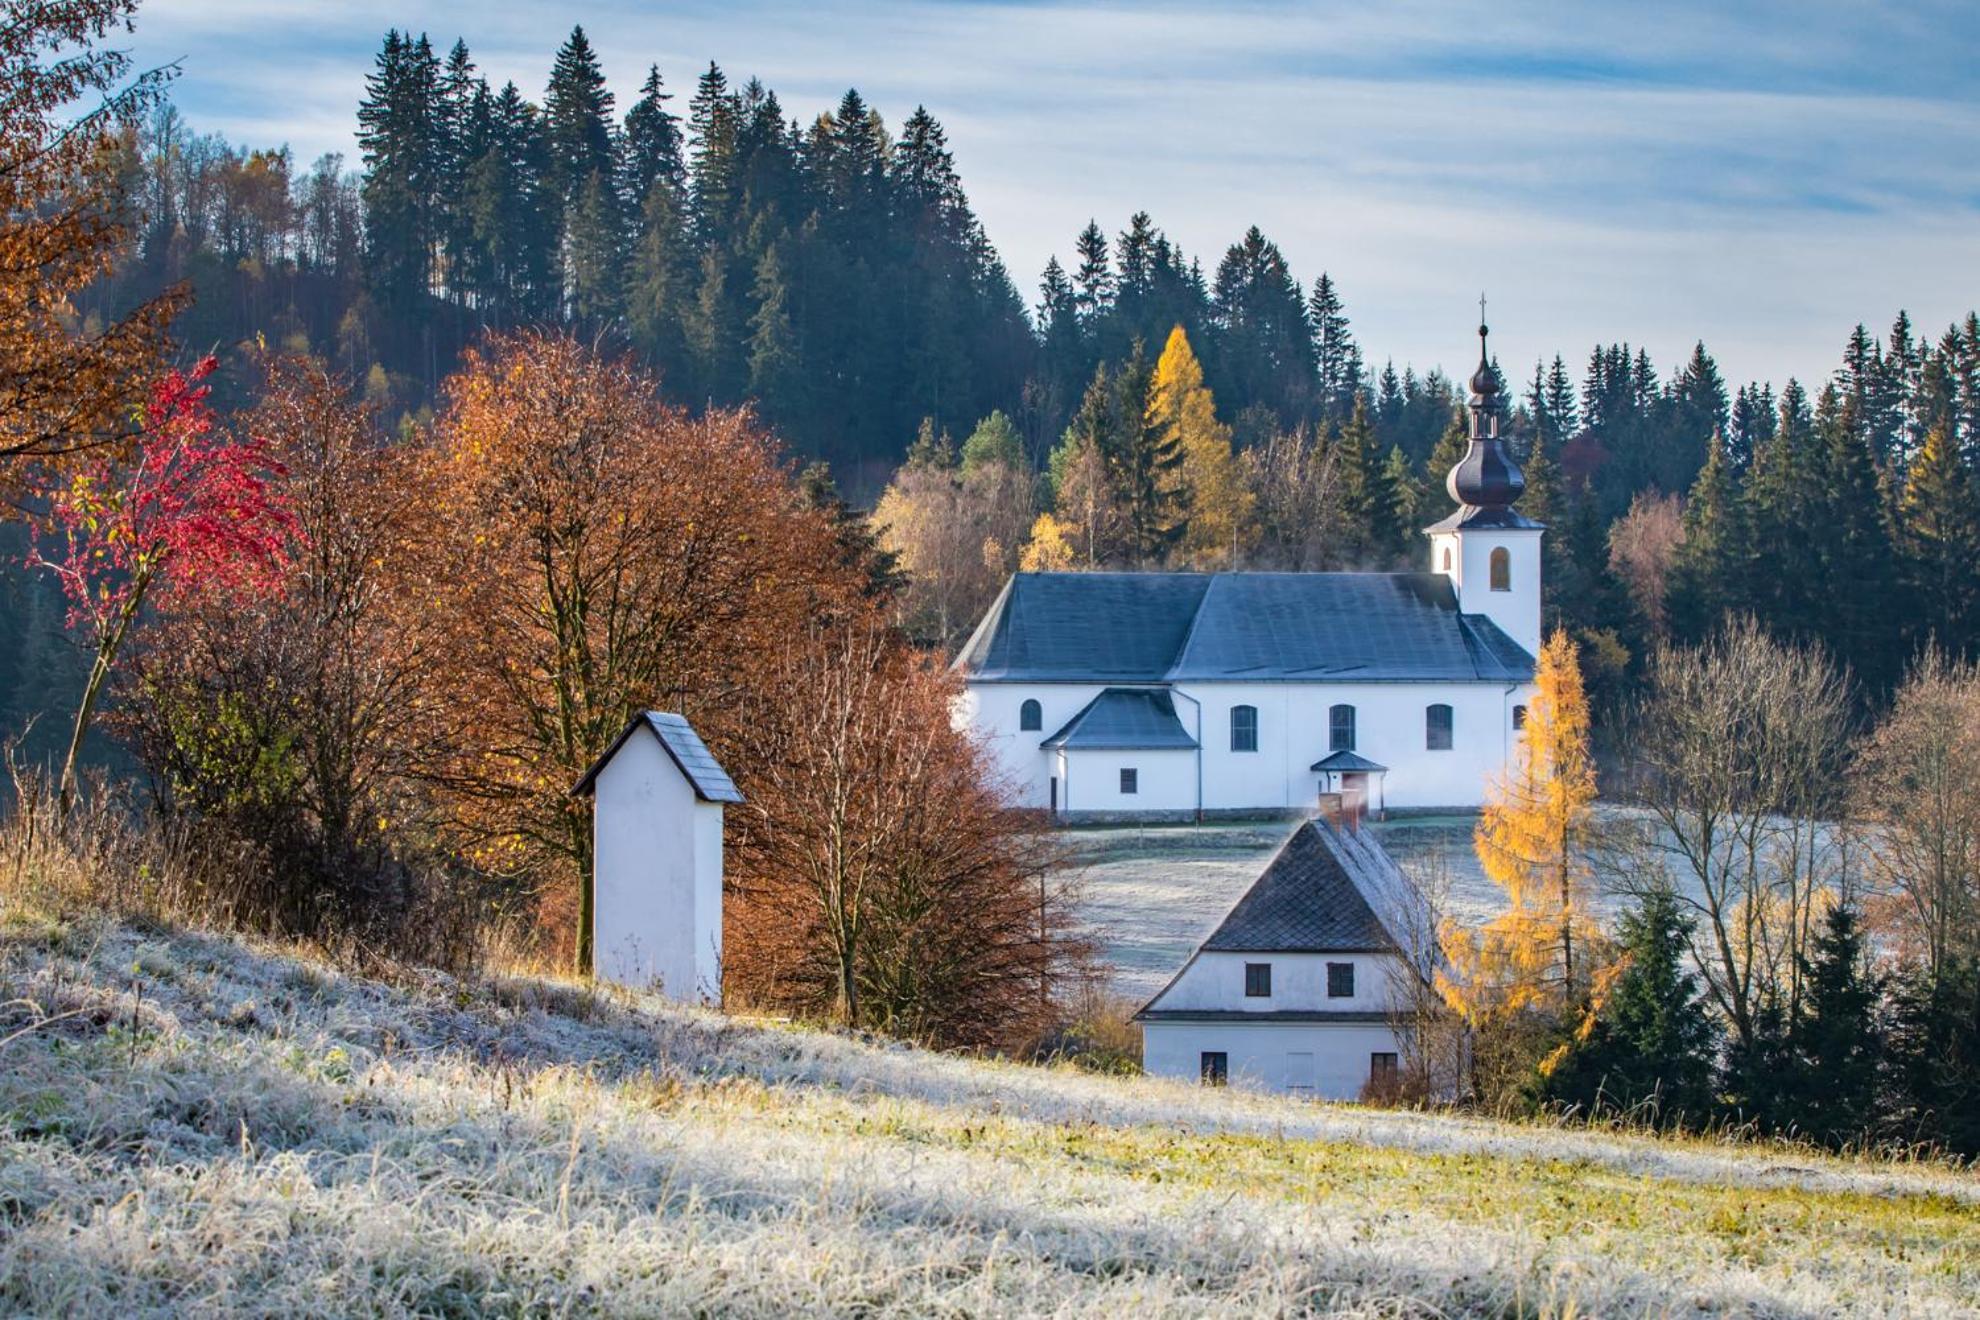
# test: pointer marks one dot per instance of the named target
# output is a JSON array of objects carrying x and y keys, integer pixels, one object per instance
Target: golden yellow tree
[
  {"x": 1047, "y": 551},
  {"x": 1533, "y": 839},
  {"x": 1181, "y": 408}
]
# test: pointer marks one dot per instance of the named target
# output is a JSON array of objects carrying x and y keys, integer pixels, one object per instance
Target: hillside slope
[{"x": 187, "y": 1122}]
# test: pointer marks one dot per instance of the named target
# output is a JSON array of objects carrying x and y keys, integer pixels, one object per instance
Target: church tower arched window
[{"x": 1501, "y": 569}]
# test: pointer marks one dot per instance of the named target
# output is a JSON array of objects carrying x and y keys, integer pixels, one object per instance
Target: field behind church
[{"x": 192, "y": 1123}]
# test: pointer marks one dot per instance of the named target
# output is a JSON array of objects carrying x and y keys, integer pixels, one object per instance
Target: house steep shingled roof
[
  {"x": 1320, "y": 895},
  {"x": 683, "y": 745},
  {"x": 1139, "y": 718},
  {"x": 1306, "y": 627}
]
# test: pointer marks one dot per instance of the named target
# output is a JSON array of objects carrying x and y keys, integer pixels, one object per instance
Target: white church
[{"x": 1189, "y": 696}]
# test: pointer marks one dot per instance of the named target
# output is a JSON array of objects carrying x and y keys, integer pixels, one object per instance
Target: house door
[
  {"x": 1055, "y": 795},
  {"x": 1299, "y": 1073},
  {"x": 1216, "y": 1067}
]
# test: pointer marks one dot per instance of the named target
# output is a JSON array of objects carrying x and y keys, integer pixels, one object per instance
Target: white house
[
  {"x": 657, "y": 797},
  {"x": 1300, "y": 988},
  {"x": 1190, "y": 695}
]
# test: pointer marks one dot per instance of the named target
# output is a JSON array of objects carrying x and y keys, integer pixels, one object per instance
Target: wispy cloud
[{"x": 1761, "y": 176}]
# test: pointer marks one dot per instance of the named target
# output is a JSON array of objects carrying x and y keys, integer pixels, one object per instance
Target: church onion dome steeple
[{"x": 1486, "y": 480}]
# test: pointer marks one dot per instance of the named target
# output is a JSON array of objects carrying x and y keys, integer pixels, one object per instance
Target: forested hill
[{"x": 833, "y": 275}]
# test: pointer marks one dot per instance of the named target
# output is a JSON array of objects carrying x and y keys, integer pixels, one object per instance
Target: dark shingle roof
[
  {"x": 1345, "y": 761},
  {"x": 1305, "y": 902},
  {"x": 1141, "y": 718},
  {"x": 1156, "y": 627},
  {"x": 710, "y": 781}
]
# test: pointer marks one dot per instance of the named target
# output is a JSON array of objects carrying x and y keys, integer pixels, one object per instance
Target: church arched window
[
  {"x": 1031, "y": 716},
  {"x": 1437, "y": 728},
  {"x": 1244, "y": 728},
  {"x": 1519, "y": 717},
  {"x": 1447, "y": 559},
  {"x": 1340, "y": 728},
  {"x": 1502, "y": 569}
]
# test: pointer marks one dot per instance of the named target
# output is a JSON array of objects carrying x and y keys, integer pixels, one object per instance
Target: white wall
[
  {"x": 1259, "y": 1052},
  {"x": 1293, "y": 731},
  {"x": 657, "y": 919},
  {"x": 1091, "y": 781},
  {"x": 1517, "y": 610},
  {"x": 1215, "y": 981}
]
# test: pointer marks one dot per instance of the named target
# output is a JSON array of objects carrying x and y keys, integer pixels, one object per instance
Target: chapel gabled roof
[
  {"x": 711, "y": 783},
  {"x": 1237, "y": 627}
]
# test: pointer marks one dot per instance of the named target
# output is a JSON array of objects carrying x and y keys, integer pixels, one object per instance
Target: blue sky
[{"x": 1759, "y": 175}]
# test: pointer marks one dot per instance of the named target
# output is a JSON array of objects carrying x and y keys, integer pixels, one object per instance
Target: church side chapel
[{"x": 1190, "y": 696}]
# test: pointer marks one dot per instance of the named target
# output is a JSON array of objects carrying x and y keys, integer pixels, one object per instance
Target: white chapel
[{"x": 1180, "y": 696}]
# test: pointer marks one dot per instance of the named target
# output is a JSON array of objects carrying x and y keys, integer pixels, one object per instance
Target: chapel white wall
[{"x": 657, "y": 868}]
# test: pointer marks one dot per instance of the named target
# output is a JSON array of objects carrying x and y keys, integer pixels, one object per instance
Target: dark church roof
[
  {"x": 1305, "y": 902},
  {"x": 1122, "y": 718},
  {"x": 1237, "y": 627}
]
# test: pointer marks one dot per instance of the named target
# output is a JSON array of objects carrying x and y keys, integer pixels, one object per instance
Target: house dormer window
[
  {"x": 1258, "y": 980},
  {"x": 1244, "y": 728},
  {"x": 1340, "y": 729},
  {"x": 1501, "y": 569},
  {"x": 1031, "y": 716},
  {"x": 1437, "y": 728}
]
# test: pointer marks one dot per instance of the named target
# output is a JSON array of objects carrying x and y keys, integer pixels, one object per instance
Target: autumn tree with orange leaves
[
  {"x": 65, "y": 387},
  {"x": 591, "y": 552}
]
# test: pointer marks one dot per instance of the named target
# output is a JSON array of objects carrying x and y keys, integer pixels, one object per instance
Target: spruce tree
[
  {"x": 1836, "y": 1039},
  {"x": 652, "y": 142},
  {"x": 1650, "y": 1050},
  {"x": 1366, "y": 500},
  {"x": 1933, "y": 1056},
  {"x": 712, "y": 116},
  {"x": 1405, "y": 493},
  {"x": 1705, "y": 568},
  {"x": 1093, "y": 281},
  {"x": 1450, "y": 451},
  {"x": 400, "y": 132},
  {"x": 1337, "y": 362},
  {"x": 1940, "y": 539},
  {"x": 1148, "y": 465}
]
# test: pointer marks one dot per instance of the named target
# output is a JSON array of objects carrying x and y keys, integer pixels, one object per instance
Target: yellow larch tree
[
  {"x": 1533, "y": 841},
  {"x": 1181, "y": 408},
  {"x": 1047, "y": 551}
]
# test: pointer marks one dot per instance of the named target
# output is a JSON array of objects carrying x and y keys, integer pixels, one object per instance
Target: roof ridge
[{"x": 1195, "y": 622}]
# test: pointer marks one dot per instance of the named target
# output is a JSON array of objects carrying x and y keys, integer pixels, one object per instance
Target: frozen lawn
[{"x": 191, "y": 1125}]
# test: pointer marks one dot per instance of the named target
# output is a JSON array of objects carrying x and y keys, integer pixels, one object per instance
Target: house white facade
[
  {"x": 657, "y": 798},
  {"x": 1182, "y": 695},
  {"x": 1305, "y": 986}
]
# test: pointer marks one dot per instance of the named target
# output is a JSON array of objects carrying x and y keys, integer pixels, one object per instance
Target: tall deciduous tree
[
  {"x": 65, "y": 387},
  {"x": 1182, "y": 415}
]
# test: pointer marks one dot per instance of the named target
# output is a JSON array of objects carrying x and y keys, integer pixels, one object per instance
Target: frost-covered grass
[{"x": 189, "y": 1123}]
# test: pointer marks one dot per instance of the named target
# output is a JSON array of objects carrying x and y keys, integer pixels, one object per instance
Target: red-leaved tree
[{"x": 189, "y": 509}]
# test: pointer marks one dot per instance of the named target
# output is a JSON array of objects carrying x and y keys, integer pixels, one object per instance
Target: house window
[
  {"x": 1258, "y": 980},
  {"x": 1502, "y": 569},
  {"x": 1130, "y": 780},
  {"x": 1031, "y": 716},
  {"x": 1437, "y": 728},
  {"x": 1244, "y": 728},
  {"x": 1340, "y": 729},
  {"x": 1519, "y": 717},
  {"x": 1340, "y": 980},
  {"x": 1216, "y": 1066},
  {"x": 1381, "y": 1070}
]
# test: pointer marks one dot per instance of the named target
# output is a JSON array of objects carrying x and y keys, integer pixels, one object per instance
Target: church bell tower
[{"x": 1489, "y": 551}]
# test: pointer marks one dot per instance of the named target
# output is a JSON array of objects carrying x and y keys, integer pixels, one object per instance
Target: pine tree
[
  {"x": 1337, "y": 361},
  {"x": 1405, "y": 492},
  {"x": 1148, "y": 468},
  {"x": 994, "y": 441},
  {"x": 1705, "y": 569},
  {"x": 1366, "y": 497},
  {"x": 1651, "y": 1045},
  {"x": 1093, "y": 282},
  {"x": 404, "y": 158},
  {"x": 1837, "y": 1038},
  {"x": 1940, "y": 540},
  {"x": 652, "y": 142},
  {"x": 1181, "y": 415},
  {"x": 1450, "y": 451}
]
